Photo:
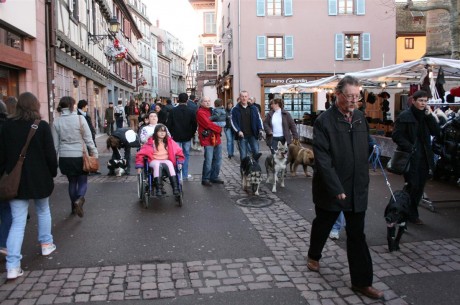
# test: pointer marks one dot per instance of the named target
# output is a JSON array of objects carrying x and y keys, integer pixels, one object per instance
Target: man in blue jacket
[{"x": 247, "y": 124}]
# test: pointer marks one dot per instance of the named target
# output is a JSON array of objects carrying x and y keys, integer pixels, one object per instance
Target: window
[
  {"x": 274, "y": 47},
  {"x": 209, "y": 23},
  {"x": 297, "y": 104},
  {"x": 346, "y": 7},
  {"x": 11, "y": 39},
  {"x": 274, "y": 7},
  {"x": 73, "y": 6},
  {"x": 211, "y": 59},
  {"x": 353, "y": 46},
  {"x": 409, "y": 43}
]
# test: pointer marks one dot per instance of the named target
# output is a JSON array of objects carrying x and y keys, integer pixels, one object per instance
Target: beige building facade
[{"x": 269, "y": 43}]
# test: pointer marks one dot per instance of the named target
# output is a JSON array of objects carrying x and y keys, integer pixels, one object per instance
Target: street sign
[{"x": 217, "y": 49}]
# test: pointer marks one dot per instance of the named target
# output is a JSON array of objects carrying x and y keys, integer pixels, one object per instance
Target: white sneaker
[
  {"x": 47, "y": 249},
  {"x": 14, "y": 273},
  {"x": 334, "y": 235}
]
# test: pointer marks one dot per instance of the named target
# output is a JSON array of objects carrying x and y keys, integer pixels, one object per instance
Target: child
[
  {"x": 161, "y": 149},
  {"x": 219, "y": 116}
]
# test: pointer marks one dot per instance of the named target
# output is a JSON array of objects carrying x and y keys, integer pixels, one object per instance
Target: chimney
[{"x": 158, "y": 23}]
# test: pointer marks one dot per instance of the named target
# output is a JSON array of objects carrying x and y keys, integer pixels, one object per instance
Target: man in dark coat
[
  {"x": 182, "y": 126},
  {"x": 126, "y": 138},
  {"x": 340, "y": 183},
  {"x": 412, "y": 132},
  {"x": 109, "y": 118}
]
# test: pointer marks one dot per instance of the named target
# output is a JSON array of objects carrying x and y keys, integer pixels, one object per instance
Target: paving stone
[
  {"x": 46, "y": 299},
  {"x": 184, "y": 292},
  {"x": 150, "y": 294},
  {"x": 167, "y": 294},
  {"x": 206, "y": 290},
  {"x": 81, "y": 297},
  {"x": 27, "y": 302},
  {"x": 63, "y": 300},
  {"x": 116, "y": 296}
]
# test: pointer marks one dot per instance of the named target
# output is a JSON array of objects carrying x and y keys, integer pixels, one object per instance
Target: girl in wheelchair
[{"x": 161, "y": 149}]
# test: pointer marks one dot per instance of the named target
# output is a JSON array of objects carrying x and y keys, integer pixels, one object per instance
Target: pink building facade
[{"x": 274, "y": 42}]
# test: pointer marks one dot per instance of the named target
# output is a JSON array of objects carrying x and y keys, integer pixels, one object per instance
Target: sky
[{"x": 178, "y": 18}]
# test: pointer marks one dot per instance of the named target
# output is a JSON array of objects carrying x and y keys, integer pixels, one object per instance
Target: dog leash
[{"x": 374, "y": 159}]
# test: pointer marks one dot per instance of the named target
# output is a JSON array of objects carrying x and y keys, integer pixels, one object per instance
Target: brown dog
[{"x": 299, "y": 155}]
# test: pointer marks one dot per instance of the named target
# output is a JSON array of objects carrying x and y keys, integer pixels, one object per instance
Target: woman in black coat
[
  {"x": 412, "y": 133},
  {"x": 40, "y": 166}
]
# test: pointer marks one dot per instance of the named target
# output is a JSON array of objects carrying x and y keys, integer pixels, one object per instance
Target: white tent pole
[{"x": 383, "y": 60}]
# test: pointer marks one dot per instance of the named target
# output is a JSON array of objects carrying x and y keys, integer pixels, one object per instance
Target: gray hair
[{"x": 346, "y": 80}]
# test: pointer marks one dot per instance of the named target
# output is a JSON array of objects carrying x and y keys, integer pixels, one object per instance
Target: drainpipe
[
  {"x": 50, "y": 38},
  {"x": 239, "y": 47}
]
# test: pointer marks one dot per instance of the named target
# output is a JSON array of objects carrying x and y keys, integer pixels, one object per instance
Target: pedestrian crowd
[{"x": 164, "y": 136}]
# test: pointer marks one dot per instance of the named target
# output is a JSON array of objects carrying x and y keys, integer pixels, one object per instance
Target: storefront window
[
  {"x": 298, "y": 103},
  {"x": 8, "y": 83},
  {"x": 10, "y": 39}
]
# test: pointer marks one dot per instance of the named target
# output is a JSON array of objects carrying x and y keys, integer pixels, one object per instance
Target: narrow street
[{"x": 215, "y": 251}]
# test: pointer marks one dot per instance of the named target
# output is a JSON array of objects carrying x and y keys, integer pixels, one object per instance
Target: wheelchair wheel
[
  {"x": 140, "y": 186},
  {"x": 146, "y": 200},
  {"x": 180, "y": 198}
]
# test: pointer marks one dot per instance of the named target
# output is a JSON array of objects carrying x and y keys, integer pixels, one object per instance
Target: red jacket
[
  {"x": 204, "y": 123},
  {"x": 148, "y": 149}
]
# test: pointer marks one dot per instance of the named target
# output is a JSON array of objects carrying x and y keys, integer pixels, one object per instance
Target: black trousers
[
  {"x": 359, "y": 257},
  {"x": 416, "y": 179}
]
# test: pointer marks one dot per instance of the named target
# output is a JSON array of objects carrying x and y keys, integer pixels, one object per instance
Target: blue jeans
[
  {"x": 229, "y": 134},
  {"x": 339, "y": 223},
  {"x": 5, "y": 219},
  {"x": 186, "y": 149},
  {"x": 248, "y": 145},
  {"x": 19, "y": 210},
  {"x": 212, "y": 162},
  {"x": 78, "y": 185}
]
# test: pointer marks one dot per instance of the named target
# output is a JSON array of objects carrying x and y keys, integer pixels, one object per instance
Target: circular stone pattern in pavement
[{"x": 254, "y": 202}]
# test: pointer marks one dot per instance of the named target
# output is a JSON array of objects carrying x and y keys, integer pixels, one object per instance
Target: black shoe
[
  {"x": 111, "y": 173},
  {"x": 206, "y": 183},
  {"x": 158, "y": 186},
  {"x": 217, "y": 181}
]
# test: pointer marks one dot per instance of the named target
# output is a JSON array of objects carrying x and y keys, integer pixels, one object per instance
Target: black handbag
[{"x": 399, "y": 162}]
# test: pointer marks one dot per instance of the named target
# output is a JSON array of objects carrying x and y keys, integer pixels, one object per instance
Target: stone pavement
[{"x": 283, "y": 231}]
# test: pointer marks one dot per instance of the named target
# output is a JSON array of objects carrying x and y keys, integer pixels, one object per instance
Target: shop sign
[
  {"x": 284, "y": 81},
  {"x": 217, "y": 49}
]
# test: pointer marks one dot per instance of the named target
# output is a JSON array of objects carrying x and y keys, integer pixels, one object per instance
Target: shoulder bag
[
  {"x": 90, "y": 163},
  {"x": 9, "y": 183},
  {"x": 400, "y": 161}
]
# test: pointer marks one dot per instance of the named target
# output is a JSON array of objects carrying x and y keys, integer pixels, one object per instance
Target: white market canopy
[{"x": 409, "y": 72}]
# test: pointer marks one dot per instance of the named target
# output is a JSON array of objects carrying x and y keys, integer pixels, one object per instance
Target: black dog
[
  {"x": 251, "y": 173},
  {"x": 396, "y": 215},
  {"x": 117, "y": 167}
]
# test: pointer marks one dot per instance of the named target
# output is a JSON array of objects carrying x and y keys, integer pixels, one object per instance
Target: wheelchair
[{"x": 146, "y": 184}]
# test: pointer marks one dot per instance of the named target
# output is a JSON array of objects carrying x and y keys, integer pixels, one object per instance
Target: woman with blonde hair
[{"x": 39, "y": 168}]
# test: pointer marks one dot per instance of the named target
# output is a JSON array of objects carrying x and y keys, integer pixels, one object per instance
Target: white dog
[{"x": 275, "y": 165}]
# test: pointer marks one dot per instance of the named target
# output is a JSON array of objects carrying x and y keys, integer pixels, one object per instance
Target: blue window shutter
[
  {"x": 289, "y": 47},
  {"x": 201, "y": 65},
  {"x": 339, "y": 46},
  {"x": 287, "y": 7},
  {"x": 366, "y": 37},
  {"x": 260, "y": 8},
  {"x": 360, "y": 7},
  {"x": 261, "y": 47},
  {"x": 332, "y": 7}
]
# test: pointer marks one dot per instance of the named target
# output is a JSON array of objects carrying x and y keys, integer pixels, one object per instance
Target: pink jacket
[{"x": 148, "y": 149}]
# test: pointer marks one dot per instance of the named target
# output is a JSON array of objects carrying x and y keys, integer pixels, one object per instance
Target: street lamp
[{"x": 114, "y": 27}]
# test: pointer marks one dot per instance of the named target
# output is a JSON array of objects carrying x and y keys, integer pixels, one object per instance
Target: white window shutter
[
  {"x": 366, "y": 37},
  {"x": 332, "y": 7},
  {"x": 289, "y": 47},
  {"x": 201, "y": 55},
  {"x": 260, "y": 8},
  {"x": 287, "y": 7},
  {"x": 360, "y": 7},
  {"x": 339, "y": 46},
  {"x": 261, "y": 47}
]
